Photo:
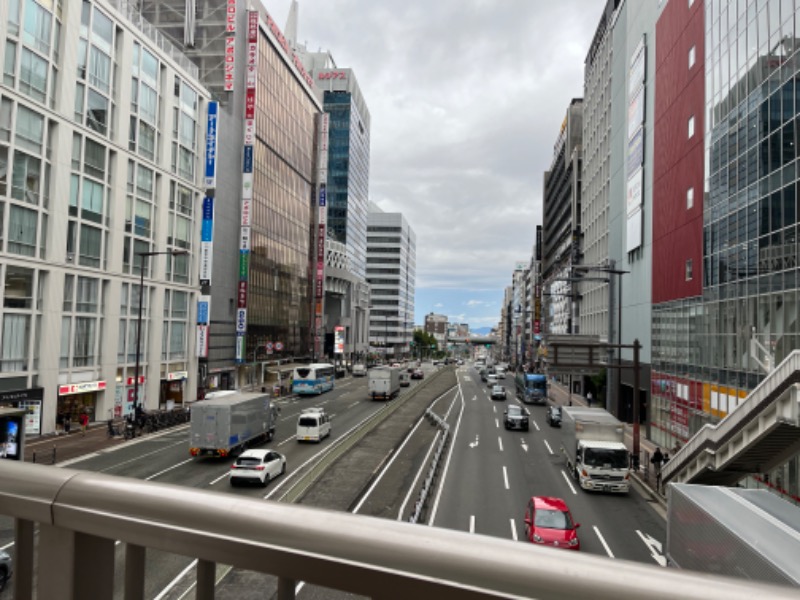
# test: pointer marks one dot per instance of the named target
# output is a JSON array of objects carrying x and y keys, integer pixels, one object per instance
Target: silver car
[{"x": 5, "y": 569}]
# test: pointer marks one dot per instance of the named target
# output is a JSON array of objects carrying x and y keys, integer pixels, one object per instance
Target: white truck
[
  {"x": 384, "y": 383},
  {"x": 226, "y": 424},
  {"x": 738, "y": 532},
  {"x": 593, "y": 443}
]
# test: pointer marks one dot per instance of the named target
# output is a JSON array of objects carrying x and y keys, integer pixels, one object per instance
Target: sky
[{"x": 466, "y": 99}]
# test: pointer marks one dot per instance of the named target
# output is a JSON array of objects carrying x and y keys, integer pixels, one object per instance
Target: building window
[
  {"x": 689, "y": 270},
  {"x": 689, "y": 198},
  {"x": 691, "y": 127},
  {"x": 691, "y": 57}
]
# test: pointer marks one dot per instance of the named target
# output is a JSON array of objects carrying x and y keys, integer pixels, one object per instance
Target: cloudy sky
[{"x": 466, "y": 99}]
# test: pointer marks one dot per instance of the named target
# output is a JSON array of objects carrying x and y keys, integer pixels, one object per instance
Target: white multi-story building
[
  {"x": 391, "y": 274},
  {"x": 101, "y": 129}
]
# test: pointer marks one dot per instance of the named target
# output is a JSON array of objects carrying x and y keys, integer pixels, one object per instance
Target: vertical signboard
[
  {"x": 203, "y": 319},
  {"x": 637, "y": 74},
  {"x": 211, "y": 145},
  {"x": 230, "y": 23},
  {"x": 322, "y": 220},
  {"x": 230, "y": 62},
  {"x": 338, "y": 340},
  {"x": 251, "y": 71},
  {"x": 206, "y": 240}
]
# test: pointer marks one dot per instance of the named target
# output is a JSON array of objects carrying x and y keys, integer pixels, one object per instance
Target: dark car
[
  {"x": 484, "y": 373},
  {"x": 553, "y": 416},
  {"x": 417, "y": 374},
  {"x": 516, "y": 417}
]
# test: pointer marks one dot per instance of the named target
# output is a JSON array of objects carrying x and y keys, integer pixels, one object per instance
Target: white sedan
[{"x": 258, "y": 465}]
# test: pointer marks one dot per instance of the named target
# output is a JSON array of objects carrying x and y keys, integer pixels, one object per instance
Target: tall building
[
  {"x": 391, "y": 273},
  {"x": 261, "y": 294},
  {"x": 561, "y": 223},
  {"x": 436, "y": 325},
  {"x": 88, "y": 83},
  {"x": 730, "y": 74}
]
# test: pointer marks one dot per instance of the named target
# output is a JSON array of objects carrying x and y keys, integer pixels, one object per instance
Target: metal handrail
[
  {"x": 77, "y": 512},
  {"x": 710, "y": 436}
]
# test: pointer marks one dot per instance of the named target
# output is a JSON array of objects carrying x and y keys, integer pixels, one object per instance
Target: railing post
[
  {"x": 206, "y": 571},
  {"x": 23, "y": 567},
  {"x": 93, "y": 565},
  {"x": 286, "y": 588},
  {"x": 134, "y": 572}
]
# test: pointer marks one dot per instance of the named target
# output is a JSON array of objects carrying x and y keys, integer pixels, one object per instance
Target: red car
[{"x": 548, "y": 522}]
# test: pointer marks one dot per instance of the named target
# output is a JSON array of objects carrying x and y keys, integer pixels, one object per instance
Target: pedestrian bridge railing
[{"x": 68, "y": 522}]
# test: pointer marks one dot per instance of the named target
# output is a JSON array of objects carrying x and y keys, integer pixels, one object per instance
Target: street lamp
[{"x": 143, "y": 255}]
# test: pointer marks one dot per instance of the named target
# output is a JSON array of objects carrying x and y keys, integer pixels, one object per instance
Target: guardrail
[
  {"x": 710, "y": 437},
  {"x": 80, "y": 515},
  {"x": 433, "y": 471}
]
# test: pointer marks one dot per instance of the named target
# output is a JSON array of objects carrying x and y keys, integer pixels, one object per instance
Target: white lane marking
[
  {"x": 475, "y": 443},
  {"x": 655, "y": 548},
  {"x": 497, "y": 423},
  {"x": 535, "y": 424},
  {"x": 569, "y": 483},
  {"x": 6, "y": 547},
  {"x": 549, "y": 449},
  {"x": 180, "y": 464},
  {"x": 425, "y": 464},
  {"x": 221, "y": 477},
  {"x": 603, "y": 541},
  {"x": 289, "y": 439},
  {"x": 524, "y": 445},
  {"x": 472, "y": 523},
  {"x": 175, "y": 581},
  {"x": 513, "y": 530},
  {"x": 505, "y": 477},
  {"x": 500, "y": 443},
  {"x": 141, "y": 456},
  {"x": 354, "y": 404},
  {"x": 447, "y": 462},
  {"x": 494, "y": 409}
]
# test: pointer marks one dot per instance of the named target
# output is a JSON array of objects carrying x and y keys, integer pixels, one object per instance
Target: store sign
[
  {"x": 247, "y": 212},
  {"x": 230, "y": 17},
  {"x": 240, "y": 344},
  {"x": 230, "y": 62},
  {"x": 338, "y": 340},
  {"x": 332, "y": 75},
  {"x": 241, "y": 320},
  {"x": 202, "y": 341},
  {"x": 81, "y": 388},
  {"x": 177, "y": 375},
  {"x": 211, "y": 146},
  {"x": 132, "y": 380},
  {"x": 203, "y": 310}
]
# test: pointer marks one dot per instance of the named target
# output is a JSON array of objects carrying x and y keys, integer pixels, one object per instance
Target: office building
[
  {"x": 101, "y": 141},
  {"x": 391, "y": 274}
]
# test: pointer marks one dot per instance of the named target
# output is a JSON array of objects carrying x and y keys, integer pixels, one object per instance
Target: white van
[
  {"x": 500, "y": 372},
  {"x": 313, "y": 425}
]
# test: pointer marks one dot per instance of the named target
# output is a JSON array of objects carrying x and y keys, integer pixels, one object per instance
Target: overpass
[
  {"x": 760, "y": 434},
  {"x": 475, "y": 341}
]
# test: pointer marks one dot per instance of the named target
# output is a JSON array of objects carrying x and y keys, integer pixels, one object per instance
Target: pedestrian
[
  {"x": 83, "y": 419},
  {"x": 67, "y": 422},
  {"x": 589, "y": 398},
  {"x": 657, "y": 460}
]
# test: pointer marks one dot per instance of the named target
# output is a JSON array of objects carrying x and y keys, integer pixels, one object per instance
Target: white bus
[{"x": 313, "y": 379}]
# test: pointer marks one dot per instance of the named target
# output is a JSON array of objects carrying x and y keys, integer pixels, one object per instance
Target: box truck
[
  {"x": 384, "y": 383},
  {"x": 593, "y": 443},
  {"x": 227, "y": 424},
  {"x": 738, "y": 532}
]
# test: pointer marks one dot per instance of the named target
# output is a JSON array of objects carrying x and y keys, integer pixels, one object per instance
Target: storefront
[
  {"x": 76, "y": 398},
  {"x": 31, "y": 401},
  {"x": 173, "y": 390},
  {"x": 125, "y": 396}
]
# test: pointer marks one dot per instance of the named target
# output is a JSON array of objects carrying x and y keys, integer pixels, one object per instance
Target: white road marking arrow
[
  {"x": 474, "y": 398},
  {"x": 524, "y": 446},
  {"x": 475, "y": 443},
  {"x": 655, "y": 548}
]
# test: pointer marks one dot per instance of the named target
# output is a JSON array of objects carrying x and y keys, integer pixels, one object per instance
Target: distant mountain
[{"x": 481, "y": 331}]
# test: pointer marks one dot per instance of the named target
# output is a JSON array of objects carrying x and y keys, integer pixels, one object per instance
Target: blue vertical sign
[{"x": 211, "y": 146}]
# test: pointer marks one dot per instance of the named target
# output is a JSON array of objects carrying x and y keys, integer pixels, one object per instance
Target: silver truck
[
  {"x": 227, "y": 424},
  {"x": 751, "y": 534},
  {"x": 593, "y": 443},
  {"x": 384, "y": 383}
]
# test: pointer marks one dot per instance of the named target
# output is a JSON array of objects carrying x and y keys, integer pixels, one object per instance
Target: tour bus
[{"x": 313, "y": 379}]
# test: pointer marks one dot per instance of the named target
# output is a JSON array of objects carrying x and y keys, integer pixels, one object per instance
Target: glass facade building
[
  {"x": 348, "y": 177},
  {"x": 702, "y": 345}
]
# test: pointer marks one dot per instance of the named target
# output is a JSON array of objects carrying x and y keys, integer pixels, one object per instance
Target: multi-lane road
[{"x": 486, "y": 477}]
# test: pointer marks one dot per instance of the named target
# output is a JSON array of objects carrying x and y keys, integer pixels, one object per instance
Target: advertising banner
[
  {"x": 211, "y": 146},
  {"x": 230, "y": 62},
  {"x": 338, "y": 340},
  {"x": 230, "y": 17},
  {"x": 240, "y": 348},
  {"x": 205, "y": 262},
  {"x": 203, "y": 310},
  {"x": 202, "y": 341}
]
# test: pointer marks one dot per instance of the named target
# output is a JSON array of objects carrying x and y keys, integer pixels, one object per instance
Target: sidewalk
[
  {"x": 55, "y": 448},
  {"x": 645, "y": 476}
]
